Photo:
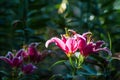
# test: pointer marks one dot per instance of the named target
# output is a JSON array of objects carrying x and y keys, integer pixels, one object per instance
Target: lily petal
[
  {"x": 75, "y": 47},
  {"x": 87, "y": 50},
  {"x": 58, "y": 42},
  {"x": 99, "y": 44},
  {"x": 9, "y": 55},
  {"x": 104, "y": 49},
  {"x": 17, "y": 61},
  {"x": 63, "y": 38},
  {"x": 81, "y": 41},
  {"x": 32, "y": 51},
  {"x": 6, "y": 60},
  {"x": 71, "y": 43},
  {"x": 85, "y": 34},
  {"x": 20, "y": 53},
  {"x": 35, "y": 44}
]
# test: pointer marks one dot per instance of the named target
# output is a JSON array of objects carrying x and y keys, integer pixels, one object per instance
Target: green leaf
[
  {"x": 5, "y": 78},
  {"x": 3, "y": 72},
  {"x": 110, "y": 41},
  {"x": 58, "y": 62},
  {"x": 90, "y": 70},
  {"x": 55, "y": 76},
  {"x": 99, "y": 59}
]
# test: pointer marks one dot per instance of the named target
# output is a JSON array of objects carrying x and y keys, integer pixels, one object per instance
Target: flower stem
[
  {"x": 14, "y": 74},
  {"x": 80, "y": 61},
  {"x": 73, "y": 68}
]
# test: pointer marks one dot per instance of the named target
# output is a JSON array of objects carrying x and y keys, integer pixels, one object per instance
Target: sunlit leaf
[{"x": 63, "y": 6}]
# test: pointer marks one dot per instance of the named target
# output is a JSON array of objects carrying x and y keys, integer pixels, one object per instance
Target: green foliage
[
  {"x": 26, "y": 21},
  {"x": 33, "y": 20}
]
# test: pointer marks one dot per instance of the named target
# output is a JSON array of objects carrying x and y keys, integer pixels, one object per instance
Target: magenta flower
[
  {"x": 32, "y": 53},
  {"x": 87, "y": 46},
  {"x": 68, "y": 45},
  {"x": 72, "y": 41},
  {"x": 28, "y": 69},
  {"x": 13, "y": 61}
]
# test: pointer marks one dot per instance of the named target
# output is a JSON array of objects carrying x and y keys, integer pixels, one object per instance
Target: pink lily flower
[
  {"x": 68, "y": 45},
  {"x": 87, "y": 46},
  {"x": 13, "y": 61}
]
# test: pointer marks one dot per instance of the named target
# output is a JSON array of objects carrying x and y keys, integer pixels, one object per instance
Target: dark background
[{"x": 26, "y": 21}]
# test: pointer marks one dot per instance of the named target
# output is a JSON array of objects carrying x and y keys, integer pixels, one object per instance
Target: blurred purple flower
[
  {"x": 32, "y": 53},
  {"x": 13, "y": 61},
  {"x": 28, "y": 69}
]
